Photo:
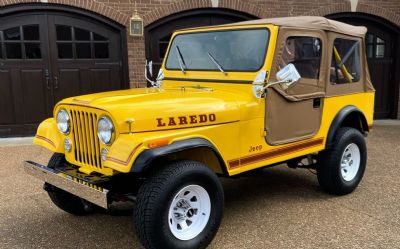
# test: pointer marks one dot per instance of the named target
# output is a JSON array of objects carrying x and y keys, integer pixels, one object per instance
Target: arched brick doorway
[
  {"x": 383, "y": 55},
  {"x": 51, "y": 52},
  {"x": 158, "y": 34}
]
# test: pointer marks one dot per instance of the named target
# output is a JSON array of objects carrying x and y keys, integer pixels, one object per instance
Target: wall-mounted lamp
[{"x": 135, "y": 24}]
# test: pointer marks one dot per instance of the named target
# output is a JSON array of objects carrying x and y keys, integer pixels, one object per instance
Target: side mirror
[
  {"x": 258, "y": 84},
  {"x": 160, "y": 76},
  {"x": 287, "y": 76},
  {"x": 149, "y": 67}
]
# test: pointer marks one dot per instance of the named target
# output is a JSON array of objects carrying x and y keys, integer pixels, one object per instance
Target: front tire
[
  {"x": 342, "y": 166},
  {"x": 65, "y": 201},
  {"x": 179, "y": 206}
]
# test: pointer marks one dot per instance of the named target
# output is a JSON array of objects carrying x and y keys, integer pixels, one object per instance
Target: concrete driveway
[{"x": 273, "y": 208}]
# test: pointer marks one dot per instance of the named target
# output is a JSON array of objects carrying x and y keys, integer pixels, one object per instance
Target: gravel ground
[{"x": 273, "y": 208}]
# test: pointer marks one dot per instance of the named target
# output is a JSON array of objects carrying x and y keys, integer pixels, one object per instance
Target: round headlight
[
  {"x": 105, "y": 130},
  {"x": 63, "y": 121}
]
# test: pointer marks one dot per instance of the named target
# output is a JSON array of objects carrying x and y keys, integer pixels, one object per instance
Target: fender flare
[
  {"x": 339, "y": 119},
  {"x": 147, "y": 157}
]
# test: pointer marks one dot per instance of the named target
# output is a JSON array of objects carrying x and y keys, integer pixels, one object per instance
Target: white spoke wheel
[
  {"x": 350, "y": 163},
  {"x": 189, "y": 212},
  {"x": 342, "y": 165},
  {"x": 179, "y": 206}
]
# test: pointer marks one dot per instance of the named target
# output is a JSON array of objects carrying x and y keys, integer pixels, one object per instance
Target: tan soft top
[{"x": 311, "y": 22}]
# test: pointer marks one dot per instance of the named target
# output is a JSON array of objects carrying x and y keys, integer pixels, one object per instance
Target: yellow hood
[{"x": 153, "y": 109}]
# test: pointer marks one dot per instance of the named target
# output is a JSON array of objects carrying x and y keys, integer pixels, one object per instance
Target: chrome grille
[{"x": 86, "y": 143}]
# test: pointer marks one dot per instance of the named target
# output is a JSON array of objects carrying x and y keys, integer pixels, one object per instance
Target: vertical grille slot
[
  {"x": 90, "y": 137},
  {"x": 97, "y": 158},
  {"x": 83, "y": 136},
  {"x": 87, "y": 139},
  {"x": 77, "y": 136},
  {"x": 86, "y": 142}
]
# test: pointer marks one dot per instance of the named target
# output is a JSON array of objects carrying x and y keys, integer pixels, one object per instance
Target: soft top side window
[
  {"x": 345, "y": 65},
  {"x": 304, "y": 53}
]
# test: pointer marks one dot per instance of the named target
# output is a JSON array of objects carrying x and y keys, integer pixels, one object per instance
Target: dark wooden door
[
  {"x": 86, "y": 57},
  {"x": 158, "y": 35},
  {"x": 381, "y": 56},
  {"x": 46, "y": 57},
  {"x": 25, "y": 87},
  {"x": 379, "y": 48}
]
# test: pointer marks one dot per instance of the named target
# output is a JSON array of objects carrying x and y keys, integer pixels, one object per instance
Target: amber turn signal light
[{"x": 158, "y": 143}]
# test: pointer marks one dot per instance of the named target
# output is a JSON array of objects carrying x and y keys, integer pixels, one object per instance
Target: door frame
[
  {"x": 32, "y": 8},
  {"x": 394, "y": 102}
]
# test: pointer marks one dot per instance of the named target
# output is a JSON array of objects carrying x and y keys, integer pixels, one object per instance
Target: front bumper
[{"x": 81, "y": 188}]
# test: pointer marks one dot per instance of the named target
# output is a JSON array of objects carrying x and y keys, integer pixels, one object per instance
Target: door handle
[
  {"x": 317, "y": 103},
  {"x": 47, "y": 78},
  {"x": 55, "y": 82}
]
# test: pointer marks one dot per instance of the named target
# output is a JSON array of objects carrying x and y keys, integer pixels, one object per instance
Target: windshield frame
[{"x": 216, "y": 69}]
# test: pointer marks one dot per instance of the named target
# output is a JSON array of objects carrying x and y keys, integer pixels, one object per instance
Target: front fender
[
  {"x": 123, "y": 152},
  {"x": 130, "y": 153},
  {"x": 48, "y": 136},
  {"x": 147, "y": 157}
]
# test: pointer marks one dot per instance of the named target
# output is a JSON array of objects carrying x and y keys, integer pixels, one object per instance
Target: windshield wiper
[
  {"x": 216, "y": 63},
  {"x": 180, "y": 59}
]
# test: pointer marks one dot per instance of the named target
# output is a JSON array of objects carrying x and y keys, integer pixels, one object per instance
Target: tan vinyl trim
[
  {"x": 306, "y": 88},
  {"x": 347, "y": 88},
  {"x": 311, "y": 22}
]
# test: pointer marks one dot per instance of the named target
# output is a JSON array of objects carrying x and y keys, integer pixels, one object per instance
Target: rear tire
[
  {"x": 65, "y": 201},
  {"x": 342, "y": 166},
  {"x": 179, "y": 206}
]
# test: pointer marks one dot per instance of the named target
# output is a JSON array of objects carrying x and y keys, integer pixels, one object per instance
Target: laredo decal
[{"x": 184, "y": 120}]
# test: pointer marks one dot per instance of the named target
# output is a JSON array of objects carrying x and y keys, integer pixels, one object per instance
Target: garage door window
[
  {"x": 22, "y": 42},
  {"x": 375, "y": 46},
  {"x": 77, "y": 43}
]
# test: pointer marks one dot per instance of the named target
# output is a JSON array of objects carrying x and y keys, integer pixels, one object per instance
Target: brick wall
[{"x": 152, "y": 10}]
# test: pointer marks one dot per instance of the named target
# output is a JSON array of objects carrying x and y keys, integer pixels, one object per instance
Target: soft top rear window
[{"x": 232, "y": 50}]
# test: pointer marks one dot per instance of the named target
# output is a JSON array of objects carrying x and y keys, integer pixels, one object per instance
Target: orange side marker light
[{"x": 158, "y": 143}]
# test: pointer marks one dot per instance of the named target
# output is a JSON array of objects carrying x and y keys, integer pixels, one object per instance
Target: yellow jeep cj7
[{"x": 228, "y": 99}]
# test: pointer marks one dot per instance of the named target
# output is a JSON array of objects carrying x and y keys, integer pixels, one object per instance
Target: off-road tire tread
[
  {"x": 146, "y": 200},
  {"x": 328, "y": 161}
]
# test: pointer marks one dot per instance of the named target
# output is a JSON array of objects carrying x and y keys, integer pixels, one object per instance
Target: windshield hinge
[{"x": 263, "y": 132}]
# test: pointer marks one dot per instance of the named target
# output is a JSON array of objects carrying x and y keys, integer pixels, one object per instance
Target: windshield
[{"x": 232, "y": 50}]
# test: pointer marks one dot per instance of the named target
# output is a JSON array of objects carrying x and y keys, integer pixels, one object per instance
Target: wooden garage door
[{"x": 45, "y": 57}]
